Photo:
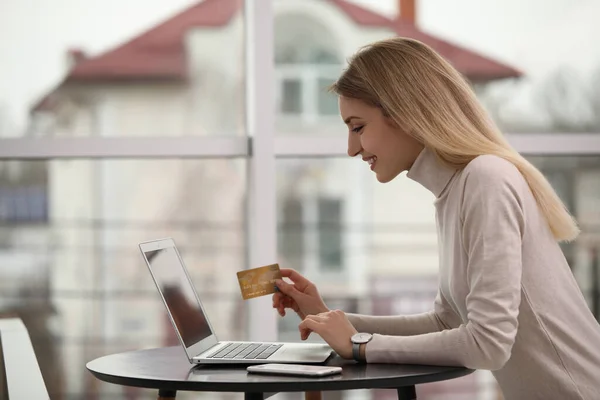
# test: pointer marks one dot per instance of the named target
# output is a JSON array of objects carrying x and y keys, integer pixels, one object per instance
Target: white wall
[{"x": 217, "y": 72}]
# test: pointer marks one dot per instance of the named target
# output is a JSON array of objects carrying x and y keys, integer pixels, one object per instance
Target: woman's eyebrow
[{"x": 347, "y": 120}]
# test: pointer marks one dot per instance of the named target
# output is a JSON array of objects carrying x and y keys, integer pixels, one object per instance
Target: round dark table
[{"x": 168, "y": 370}]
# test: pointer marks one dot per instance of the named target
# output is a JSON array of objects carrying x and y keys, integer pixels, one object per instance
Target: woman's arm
[
  {"x": 405, "y": 325},
  {"x": 493, "y": 223}
]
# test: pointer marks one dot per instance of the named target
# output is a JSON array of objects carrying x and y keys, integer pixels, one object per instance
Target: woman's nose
[{"x": 354, "y": 146}]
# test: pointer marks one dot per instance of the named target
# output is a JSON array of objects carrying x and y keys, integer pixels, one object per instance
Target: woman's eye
[{"x": 357, "y": 129}]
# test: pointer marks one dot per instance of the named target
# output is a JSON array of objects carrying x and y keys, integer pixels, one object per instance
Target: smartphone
[{"x": 294, "y": 369}]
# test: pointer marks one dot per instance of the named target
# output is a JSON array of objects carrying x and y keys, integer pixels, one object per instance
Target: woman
[{"x": 507, "y": 300}]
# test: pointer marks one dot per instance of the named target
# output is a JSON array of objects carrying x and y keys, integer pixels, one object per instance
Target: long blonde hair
[{"x": 422, "y": 93}]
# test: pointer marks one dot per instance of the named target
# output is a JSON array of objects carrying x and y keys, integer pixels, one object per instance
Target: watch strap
[{"x": 356, "y": 352}]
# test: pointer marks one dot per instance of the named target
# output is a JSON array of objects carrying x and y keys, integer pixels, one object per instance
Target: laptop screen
[{"x": 179, "y": 295}]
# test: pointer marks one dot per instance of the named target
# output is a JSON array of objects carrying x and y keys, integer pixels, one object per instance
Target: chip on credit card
[{"x": 259, "y": 281}]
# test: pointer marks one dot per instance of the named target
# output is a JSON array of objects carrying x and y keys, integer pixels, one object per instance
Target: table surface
[{"x": 168, "y": 368}]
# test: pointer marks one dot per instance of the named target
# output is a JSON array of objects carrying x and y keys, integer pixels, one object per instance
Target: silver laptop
[{"x": 193, "y": 327}]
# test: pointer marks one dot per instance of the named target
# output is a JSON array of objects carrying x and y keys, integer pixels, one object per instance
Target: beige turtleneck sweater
[{"x": 507, "y": 300}]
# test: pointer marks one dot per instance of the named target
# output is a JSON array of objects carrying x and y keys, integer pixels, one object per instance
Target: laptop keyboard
[{"x": 248, "y": 351}]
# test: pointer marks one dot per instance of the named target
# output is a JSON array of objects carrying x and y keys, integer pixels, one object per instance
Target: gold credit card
[{"x": 259, "y": 281}]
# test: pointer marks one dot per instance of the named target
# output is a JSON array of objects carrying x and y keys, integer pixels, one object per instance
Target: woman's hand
[
  {"x": 301, "y": 295},
  {"x": 334, "y": 327}
]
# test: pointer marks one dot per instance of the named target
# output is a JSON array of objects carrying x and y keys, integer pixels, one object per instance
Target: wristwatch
[{"x": 357, "y": 340}]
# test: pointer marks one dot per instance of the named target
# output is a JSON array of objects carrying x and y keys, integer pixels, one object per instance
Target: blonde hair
[{"x": 422, "y": 93}]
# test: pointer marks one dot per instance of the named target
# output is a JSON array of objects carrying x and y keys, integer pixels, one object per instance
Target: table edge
[{"x": 239, "y": 387}]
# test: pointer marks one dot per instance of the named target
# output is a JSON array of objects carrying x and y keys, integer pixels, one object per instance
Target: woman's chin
[{"x": 382, "y": 178}]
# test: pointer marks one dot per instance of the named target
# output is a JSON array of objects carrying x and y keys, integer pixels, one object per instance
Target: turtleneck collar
[{"x": 430, "y": 172}]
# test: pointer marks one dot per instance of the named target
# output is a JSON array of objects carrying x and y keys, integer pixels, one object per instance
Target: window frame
[{"x": 308, "y": 77}]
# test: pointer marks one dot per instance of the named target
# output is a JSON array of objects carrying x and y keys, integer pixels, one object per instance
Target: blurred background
[{"x": 87, "y": 73}]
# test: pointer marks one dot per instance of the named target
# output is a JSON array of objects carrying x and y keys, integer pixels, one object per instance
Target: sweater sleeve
[
  {"x": 492, "y": 225},
  {"x": 435, "y": 320}
]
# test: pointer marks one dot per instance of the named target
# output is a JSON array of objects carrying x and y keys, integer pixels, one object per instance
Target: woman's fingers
[
  {"x": 310, "y": 324},
  {"x": 281, "y": 302},
  {"x": 299, "y": 281},
  {"x": 277, "y": 296},
  {"x": 288, "y": 302},
  {"x": 277, "y": 301}
]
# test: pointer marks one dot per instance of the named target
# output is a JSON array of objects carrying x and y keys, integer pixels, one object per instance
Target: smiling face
[{"x": 387, "y": 148}]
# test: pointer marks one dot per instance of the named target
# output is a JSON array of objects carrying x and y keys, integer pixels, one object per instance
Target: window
[
  {"x": 305, "y": 69},
  {"x": 292, "y": 96},
  {"x": 291, "y": 236},
  {"x": 23, "y": 193},
  {"x": 328, "y": 104},
  {"x": 310, "y": 233},
  {"x": 84, "y": 264},
  {"x": 303, "y": 92},
  {"x": 576, "y": 180},
  {"x": 330, "y": 234},
  {"x": 27, "y": 203}
]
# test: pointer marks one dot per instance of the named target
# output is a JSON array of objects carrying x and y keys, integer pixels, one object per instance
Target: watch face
[{"x": 361, "y": 337}]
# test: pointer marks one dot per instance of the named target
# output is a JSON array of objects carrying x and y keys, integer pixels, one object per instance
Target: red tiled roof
[
  {"x": 46, "y": 103},
  {"x": 362, "y": 16},
  {"x": 473, "y": 65},
  {"x": 160, "y": 52}
]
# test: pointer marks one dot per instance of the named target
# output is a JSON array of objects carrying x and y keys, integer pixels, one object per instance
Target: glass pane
[
  {"x": 384, "y": 236},
  {"x": 330, "y": 233},
  {"x": 291, "y": 239},
  {"x": 313, "y": 63},
  {"x": 370, "y": 247},
  {"x": 576, "y": 179},
  {"x": 175, "y": 69},
  {"x": 292, "y": 97},
  {"x": 328, "y": 102},
  {"x": 71, "y": 268}
]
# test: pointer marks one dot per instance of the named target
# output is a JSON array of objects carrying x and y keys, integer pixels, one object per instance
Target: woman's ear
[
  {"x": 387, "y": 117},
  {"x": 390, "y": 121}
]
